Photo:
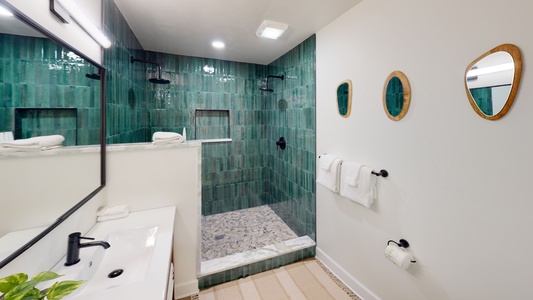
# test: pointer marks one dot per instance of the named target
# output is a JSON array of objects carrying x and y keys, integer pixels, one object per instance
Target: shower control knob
[{"x": 281, "y": 143}]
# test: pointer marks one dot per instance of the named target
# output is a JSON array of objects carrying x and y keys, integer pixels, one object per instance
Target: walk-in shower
[
  {"x": 157, "y": 80},
  {"x": 266, "y": 88}
]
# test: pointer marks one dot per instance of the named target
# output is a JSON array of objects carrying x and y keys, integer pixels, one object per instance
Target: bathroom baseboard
[
  {"x": 355, "y": 285},
  {"x": 186, "y": 289}
]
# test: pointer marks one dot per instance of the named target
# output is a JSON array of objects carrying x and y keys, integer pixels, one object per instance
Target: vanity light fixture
[
  {"x": 491, "y": 69},
  {"x": 271, "y": 29},
  {"x": 79, "y": 16},
  {"x": 5, "y": 12},
  {"x": 218, "y": 45}
]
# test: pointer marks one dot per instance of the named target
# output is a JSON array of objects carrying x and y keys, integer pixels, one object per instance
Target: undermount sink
[{"x": 139, "y": 255}]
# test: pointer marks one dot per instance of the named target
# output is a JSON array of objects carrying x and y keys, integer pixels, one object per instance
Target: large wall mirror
[
  {"x": 46, "y": 88},
  {"x": 396, "y": 95},
  {"x": 492, "y": 81}
]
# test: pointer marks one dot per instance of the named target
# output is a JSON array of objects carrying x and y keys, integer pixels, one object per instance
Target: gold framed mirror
[
  {"x": 396, "y": 95},
  {"x": 492, "y": 81},
  {"x": 344, "y": 98}
]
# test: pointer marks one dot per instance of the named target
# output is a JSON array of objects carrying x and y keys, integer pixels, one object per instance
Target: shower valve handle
[{"x": 281, "y": 143}]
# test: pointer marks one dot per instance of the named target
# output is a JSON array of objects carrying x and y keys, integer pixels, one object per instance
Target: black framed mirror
[{"x": 46, "y": 88}]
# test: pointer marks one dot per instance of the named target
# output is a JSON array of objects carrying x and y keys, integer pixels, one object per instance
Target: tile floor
[{"x": 242, "y": 230}]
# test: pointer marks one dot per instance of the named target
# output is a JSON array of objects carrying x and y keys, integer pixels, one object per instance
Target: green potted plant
[{"x": 18, "y": 287}]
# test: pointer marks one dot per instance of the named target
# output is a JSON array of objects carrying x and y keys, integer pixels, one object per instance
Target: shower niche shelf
[
  {"x": 38, "y": 121},
  {"x": 212, "y": 125}
]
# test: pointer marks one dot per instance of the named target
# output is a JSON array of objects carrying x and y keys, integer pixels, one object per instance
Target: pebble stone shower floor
[{"x": 237, "y": 231}]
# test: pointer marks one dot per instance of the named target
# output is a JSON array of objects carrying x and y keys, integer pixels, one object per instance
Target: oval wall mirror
[
  {"x": 396, "y": 95},
  {"x": 344, "y": 98},
  {"x": 492, "y": 81}
]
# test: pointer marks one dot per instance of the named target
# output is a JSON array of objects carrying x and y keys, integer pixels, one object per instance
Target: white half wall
[
  {"x": 459, "y": 186},
  {"x": 147, "y": 177}
]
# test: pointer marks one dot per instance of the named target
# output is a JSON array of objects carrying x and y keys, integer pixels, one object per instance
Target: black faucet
[{"x": 74, "y": 245}]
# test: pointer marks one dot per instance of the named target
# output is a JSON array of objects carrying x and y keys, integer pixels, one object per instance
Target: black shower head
[
  {"x": 265, "y": 88},
  {"x": 159, "y": 81},
  {"x": 93, "y": 76}
]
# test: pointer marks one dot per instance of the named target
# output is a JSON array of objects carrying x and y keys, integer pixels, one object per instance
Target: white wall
[
  {"x": 160, "y": 177},
  {"x": 459, "y": 187},
  {"x": 71, "y": 33}
]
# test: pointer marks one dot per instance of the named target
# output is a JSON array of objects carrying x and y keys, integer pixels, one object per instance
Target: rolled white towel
[{"x": 161, "y": 137}]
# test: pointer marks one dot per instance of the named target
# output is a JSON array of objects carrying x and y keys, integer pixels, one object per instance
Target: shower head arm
[
  {"x": 282, "y": 77},
  {"x": 132, "y": 59}
]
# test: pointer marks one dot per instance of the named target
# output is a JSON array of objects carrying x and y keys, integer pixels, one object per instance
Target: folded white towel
[
  {"x": 46, "y": 142},
  {"x": 326, "y": 161},
  {"x": 330, "y": 178},
  {"x": 351, "y": 172},
  {"x": 113, "y": 210},
  {"x": 365, "y": 192},
  {"x": 112, "y": 217},
  {"x": 49, "y": 140},
  {"x": 161, "y": 137}
]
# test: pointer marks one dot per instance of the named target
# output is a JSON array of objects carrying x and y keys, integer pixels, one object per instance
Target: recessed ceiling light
[
  {"x": 5, "y": 12},
  {"x": 218, "y": 44},
  {"x": 271, "y": 29}
]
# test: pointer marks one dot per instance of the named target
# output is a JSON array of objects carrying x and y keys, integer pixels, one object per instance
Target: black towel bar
[{"x": 382, "y": 173}]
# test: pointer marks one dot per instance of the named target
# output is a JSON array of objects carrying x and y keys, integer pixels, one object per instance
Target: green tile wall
[
  {"x": 290, "y": 112},
  {"x": 127, "y": 106},
  {"x": 248, "y": 171},
  {"x": 38, "y": 73}
]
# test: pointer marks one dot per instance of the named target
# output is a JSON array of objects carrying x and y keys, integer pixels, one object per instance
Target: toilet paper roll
[{"x": 399, "y": 257}]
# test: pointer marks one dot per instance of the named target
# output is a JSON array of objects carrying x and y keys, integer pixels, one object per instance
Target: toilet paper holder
[{"x": 402, "y": 244}]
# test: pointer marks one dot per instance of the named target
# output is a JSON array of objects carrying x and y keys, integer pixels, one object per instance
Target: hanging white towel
[
  {"x": 161, "y": 137},
  {"x": 365, "y": 192},
  {"x": 351, "y": 172},
  {"x": 330, "y": 177},
  {"x": 326, "y": 161}
]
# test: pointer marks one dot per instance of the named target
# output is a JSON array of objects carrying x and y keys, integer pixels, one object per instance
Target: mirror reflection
[
  {"x": 344, "y": 98},
  {"x": 396, "y": 95},
  {"x": 45, "y": 90},
  {"x": 492, "y": 81}
]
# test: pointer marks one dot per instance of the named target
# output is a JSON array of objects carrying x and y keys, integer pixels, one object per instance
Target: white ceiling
[{"x": 187, "y": 27}]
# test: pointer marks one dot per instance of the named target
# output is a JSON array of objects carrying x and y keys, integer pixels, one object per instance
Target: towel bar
[{"x": 382, "y": 173}]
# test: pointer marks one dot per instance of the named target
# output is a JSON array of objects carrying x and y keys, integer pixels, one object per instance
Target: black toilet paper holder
[{"x": 402, "y": 244}]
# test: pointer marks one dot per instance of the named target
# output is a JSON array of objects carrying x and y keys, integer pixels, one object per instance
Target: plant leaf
[
  {"x": 9, "y": 282},
  {"x": 45, "y": 276},
  {"x": 26, "y": 293},
  {"x": 63, "y": 288}
]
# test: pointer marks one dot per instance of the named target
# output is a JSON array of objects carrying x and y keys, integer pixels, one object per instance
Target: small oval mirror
[
  {"x": 396, "y": 95},
  {"x": 492, "y": 81},
  {"x": 344, "y": 98}
]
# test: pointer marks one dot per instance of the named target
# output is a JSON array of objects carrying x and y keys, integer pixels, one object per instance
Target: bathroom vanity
[{"x": 137, "y": 265}]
